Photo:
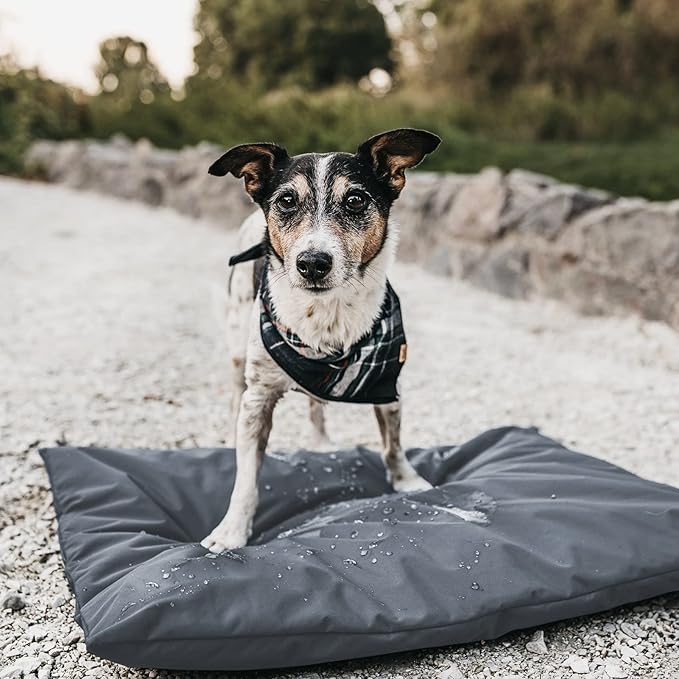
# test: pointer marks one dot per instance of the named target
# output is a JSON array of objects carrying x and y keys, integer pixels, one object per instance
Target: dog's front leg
[
  {"x": 252, "y": 433},
  {"x": 400, "y": 472}
]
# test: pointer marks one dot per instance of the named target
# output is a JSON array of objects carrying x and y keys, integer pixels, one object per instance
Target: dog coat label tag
[{"x": 403, "y": 353}]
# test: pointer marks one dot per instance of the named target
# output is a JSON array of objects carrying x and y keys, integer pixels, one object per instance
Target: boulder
[{"x": 475, "y": 213}]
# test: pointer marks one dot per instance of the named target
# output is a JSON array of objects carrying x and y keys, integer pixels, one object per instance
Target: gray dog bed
[{"x": 519, "y": 531}]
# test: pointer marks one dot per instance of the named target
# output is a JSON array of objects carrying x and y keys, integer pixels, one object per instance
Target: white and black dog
[{"x": 324, "y": 318}]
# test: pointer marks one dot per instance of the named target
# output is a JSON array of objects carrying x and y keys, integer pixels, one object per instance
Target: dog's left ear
[
  {"x": 392, "y": 153},
  {"x": 255, "y": 162}
]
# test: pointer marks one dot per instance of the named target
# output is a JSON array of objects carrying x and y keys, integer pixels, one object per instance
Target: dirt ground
[{"x": 112, "y": 333}]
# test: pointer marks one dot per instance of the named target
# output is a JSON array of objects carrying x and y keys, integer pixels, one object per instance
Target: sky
[{"x": 62, "y": 36}]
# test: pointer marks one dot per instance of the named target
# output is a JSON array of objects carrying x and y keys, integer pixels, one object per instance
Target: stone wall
[{"x": 519, "y": 234}]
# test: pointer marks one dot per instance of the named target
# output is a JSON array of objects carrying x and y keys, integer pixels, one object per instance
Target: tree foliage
[
  {"x": 127, "y": 75},
  {"x": 31, "y": 107},
  {"x": 271, "y": 44},
  {"x": 575, "y": 47}
]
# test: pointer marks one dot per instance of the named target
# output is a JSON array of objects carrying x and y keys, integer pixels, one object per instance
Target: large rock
[
  {"x": 422, "y": 212},
  {"x": 177, "y": 179},
  {"x": 621, "y": 257},
  {"x": 476, "y": 211},
  {"x": 195, "y": 192},
  {"x": 540, "y": 206}
]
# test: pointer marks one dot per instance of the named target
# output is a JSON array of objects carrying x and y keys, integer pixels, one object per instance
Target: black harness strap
[{"x": 255, "y": 252}]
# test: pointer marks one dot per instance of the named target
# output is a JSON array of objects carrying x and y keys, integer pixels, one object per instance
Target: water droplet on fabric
[
  {"x": 475, "y": 585},
  {"x": 380, "y": 534},
  {"x": 191, "y": 576},
  {"x": 152, "y": 584},
  {"x": 388, "y": 510},
  {"x": 171, "y": 604},
  {"x": 389, "y": 553},
  {"x": 373, "y": 560},
  {"x": 279, "y": 575},
  {"x": 553, "y": 496},
  {"x": 333, "y": 546},
  {"x": 267, "y": 486},
  {"x": 328, "y": 470},
  {"x": 353, "y": 534},
  {"x": 349, "y": 562},
  {"x": 363, "y": 552},
  {"x": 166, "y": 576}
]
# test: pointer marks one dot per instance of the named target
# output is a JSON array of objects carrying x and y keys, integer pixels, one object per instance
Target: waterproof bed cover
[{"x": 519, "y": 531}]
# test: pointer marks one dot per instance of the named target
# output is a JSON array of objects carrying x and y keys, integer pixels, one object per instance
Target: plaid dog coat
[{"x": 367, "y": 372}]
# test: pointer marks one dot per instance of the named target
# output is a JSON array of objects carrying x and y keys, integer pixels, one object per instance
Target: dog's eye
[
  {"x": 287, "y": 201},
  {"x": 356, "y": 201}
]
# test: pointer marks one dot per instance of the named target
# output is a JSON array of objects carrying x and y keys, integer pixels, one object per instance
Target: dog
[{"x": 324, "y": 319}]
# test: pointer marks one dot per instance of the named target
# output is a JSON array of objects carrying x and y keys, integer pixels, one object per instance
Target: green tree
[
  {"x": 575, "y": 47},
  {"x": 33, "y": 107},
  {"x": 126, "y": 73},
  {"x": 272, "y": 44}
]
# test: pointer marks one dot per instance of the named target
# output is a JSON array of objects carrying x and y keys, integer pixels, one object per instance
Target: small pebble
[
  {"x": 614, "y": 670},
  {"x": 578, "y": 664},
  {"x": 13, "y": 601},
  {"x": 59, "y": 601},
  {"x": 73, "y": 638},
  {"x": 451, "y": 671},
  {"x": 537, "y": 643}
]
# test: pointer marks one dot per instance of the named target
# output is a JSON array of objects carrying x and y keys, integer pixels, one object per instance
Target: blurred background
[{"x": 583, "y": 91}]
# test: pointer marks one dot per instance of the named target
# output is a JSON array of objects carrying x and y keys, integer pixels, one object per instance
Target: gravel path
[{"x": 111, "y": 334}]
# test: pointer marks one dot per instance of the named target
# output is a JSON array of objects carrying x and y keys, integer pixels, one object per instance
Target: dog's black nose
[{"x": 314, "y": 266}]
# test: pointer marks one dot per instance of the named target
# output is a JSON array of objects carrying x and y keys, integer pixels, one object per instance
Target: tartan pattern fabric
[{"x": 366, "y": 373}]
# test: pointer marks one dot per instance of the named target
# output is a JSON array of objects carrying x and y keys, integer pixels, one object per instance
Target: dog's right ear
[{"x": 255, "y": 162}]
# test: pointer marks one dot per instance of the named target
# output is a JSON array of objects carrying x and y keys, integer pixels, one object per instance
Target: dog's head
[{"x": 327, "y": 214}]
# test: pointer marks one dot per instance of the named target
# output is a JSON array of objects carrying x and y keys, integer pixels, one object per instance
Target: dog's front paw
[
  {"x": 223, "y": 539},
  {"x": 410, "y": 485},
  {"x": 405, "y": 479}
]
